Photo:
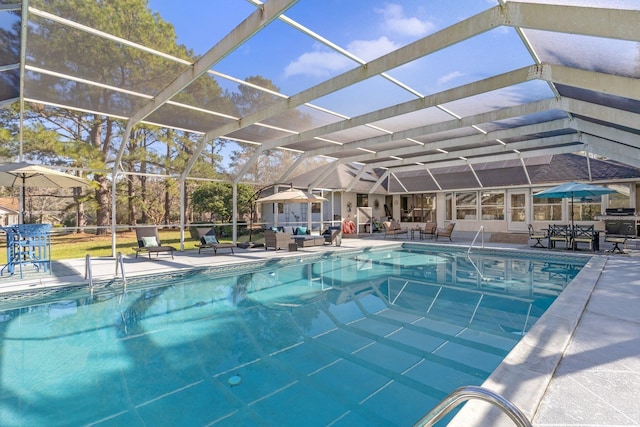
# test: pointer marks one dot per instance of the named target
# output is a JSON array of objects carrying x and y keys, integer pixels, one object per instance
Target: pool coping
[{"x": 524, "y": 375}]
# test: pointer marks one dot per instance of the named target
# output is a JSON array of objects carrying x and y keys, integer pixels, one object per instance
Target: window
[
  {"x": 586, "y": 209},
  {"x": 622, "y": 198},
  {"x": 418, "y": 207},
  {"x": 467, "y": 205},
  {"x": 546, "y": 209},
  {"x": 448, "y": 205},
  {"x": 362, "y": 200},
  {"x": 492, "y": 205}
]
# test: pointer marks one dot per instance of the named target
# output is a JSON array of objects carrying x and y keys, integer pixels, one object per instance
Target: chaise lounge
[
  {"x": 149, "y": 241},
  {"x": 208, "y": 240}
]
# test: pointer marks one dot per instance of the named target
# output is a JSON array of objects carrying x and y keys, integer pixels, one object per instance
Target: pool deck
[{"x": 578, "y": 366}]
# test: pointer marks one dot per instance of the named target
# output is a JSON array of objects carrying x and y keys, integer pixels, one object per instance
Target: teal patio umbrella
[{"x": 572, "y": 190}]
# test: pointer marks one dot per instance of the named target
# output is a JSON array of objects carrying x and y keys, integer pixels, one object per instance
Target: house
[
  {"x": 9, "y": 210},
  {"x": 495, "y": 195}
]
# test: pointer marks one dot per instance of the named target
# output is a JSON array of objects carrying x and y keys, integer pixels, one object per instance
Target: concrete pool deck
[{"x": 579, "y": 365}]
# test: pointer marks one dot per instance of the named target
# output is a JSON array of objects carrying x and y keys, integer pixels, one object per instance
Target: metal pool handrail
[
  {"x": 120, "y": 263},
  {"x": 481, "y": 229},
  {"x": 87, "y": 270},
  {"x": 462, "y": 394}
]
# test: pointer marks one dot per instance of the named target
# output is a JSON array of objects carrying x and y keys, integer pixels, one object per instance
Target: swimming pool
[{"x": 366, "y": 338}]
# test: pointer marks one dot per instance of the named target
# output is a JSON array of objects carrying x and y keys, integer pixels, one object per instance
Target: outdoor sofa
[{"x": 277, "y": 240}]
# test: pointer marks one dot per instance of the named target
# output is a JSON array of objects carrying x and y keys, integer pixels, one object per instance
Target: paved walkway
[{"x": 578, "y": 366}]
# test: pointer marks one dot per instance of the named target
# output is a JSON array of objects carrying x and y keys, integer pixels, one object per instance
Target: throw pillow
[
  {"x": 149, "y": 242},
  {"x": 210, "y": 239},
  {"x": 301, "y": 230},
  {"x": 294, "y": 231}
]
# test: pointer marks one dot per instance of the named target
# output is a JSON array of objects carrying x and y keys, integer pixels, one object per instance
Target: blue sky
[{"x": 368, "y": 29}]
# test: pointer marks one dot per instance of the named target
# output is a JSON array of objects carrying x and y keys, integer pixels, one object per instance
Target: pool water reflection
[{"x": 370, "y": 338}]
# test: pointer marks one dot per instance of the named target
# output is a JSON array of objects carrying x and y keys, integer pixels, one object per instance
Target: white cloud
[
  {"x": 397, "y": 22},
  {"x": 318, "y": 64},
  {"x": 451, "y": 76},
  {"x": 324, "y": 63},
  {"x": 371, "y": 49}
]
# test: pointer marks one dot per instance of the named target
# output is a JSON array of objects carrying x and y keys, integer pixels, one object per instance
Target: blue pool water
[{"x": 368, "y": 338}]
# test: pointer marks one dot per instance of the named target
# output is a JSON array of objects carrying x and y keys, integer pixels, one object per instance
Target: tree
[
  {"x": 271, "y": 164},
  {"x": 95, "y": 138},
  {"x": 216, "y": 200}
]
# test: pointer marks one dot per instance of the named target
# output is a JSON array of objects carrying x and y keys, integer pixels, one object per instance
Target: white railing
[
  {"x": 480, "y": 231},
  {"x": 88, "y": 274},
  {"x": 120, "y": 263}
]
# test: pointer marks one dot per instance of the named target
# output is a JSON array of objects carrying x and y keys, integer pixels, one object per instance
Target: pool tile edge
[{"x": 521, "y": 377}]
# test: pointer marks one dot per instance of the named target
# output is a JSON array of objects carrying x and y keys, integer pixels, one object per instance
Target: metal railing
[
  {"x": 465, "y": 393},
  {"x": 120, "y": 263},
  {"x": 88, "y": 274},
  {"x": 480, "y": 230}
]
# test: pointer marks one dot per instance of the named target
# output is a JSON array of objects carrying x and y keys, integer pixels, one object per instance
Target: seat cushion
[
  {"x": 209, "y": 240},
  {"x": 149, "y": 241}
]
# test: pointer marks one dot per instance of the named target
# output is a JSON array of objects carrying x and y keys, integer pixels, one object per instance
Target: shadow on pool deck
[{"x": 579, "y": 365}]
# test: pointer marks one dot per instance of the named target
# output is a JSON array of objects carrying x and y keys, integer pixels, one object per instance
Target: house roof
[
  {"x": 10, "y": 205},
  {"x": 535, "y": 171}
]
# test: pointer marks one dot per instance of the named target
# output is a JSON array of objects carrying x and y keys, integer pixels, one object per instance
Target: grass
[{"x": 68, "y": 246}]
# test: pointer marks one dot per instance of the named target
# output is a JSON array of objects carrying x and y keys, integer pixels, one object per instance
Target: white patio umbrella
[
  {"x": 292, "y": 195},
  {"x": 23, "y": 175}
]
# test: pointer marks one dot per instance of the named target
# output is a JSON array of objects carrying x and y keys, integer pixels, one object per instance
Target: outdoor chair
[
  {"x": 277, "y": 240},
  {"x": 393, "y": 228},
  {"x": 559, "y": 233},
  {"x": 617, "y": 240},
  {"x": 149, "y": 241},
  {"x": 585, "y": 234},
  {"x": 537, "y": 236},
  {"x": 208, "y": 240},
  {"x": 333, "y": 234},
  {"x": 429, "y": 229},
  {"x": 445, "y": 232}
]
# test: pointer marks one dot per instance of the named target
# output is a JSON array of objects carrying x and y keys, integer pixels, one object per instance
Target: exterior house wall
[{"x": 498, "y": 225}]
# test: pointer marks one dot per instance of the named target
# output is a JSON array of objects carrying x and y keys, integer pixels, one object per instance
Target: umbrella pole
[{"x": 21, "y": 202}]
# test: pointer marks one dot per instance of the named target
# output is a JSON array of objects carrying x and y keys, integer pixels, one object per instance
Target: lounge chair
[
  {"x": 208, "y": 240},
  {"x": 445, "y": 232},
  {"x": 149, "y": 241},
  {"x": 537, "y": 237},
  {"x": 277, "y": 240},
  {"x": 393, "y": 228}
]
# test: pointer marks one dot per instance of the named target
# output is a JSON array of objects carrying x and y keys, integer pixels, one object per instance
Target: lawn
[{"x": 67, "y": 246}]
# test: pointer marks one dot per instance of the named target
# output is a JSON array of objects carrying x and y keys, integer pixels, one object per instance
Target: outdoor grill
[{"x": 620, "y": 221}]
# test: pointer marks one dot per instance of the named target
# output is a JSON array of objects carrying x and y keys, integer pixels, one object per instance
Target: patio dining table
[{"x": 27, "y": 244}]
